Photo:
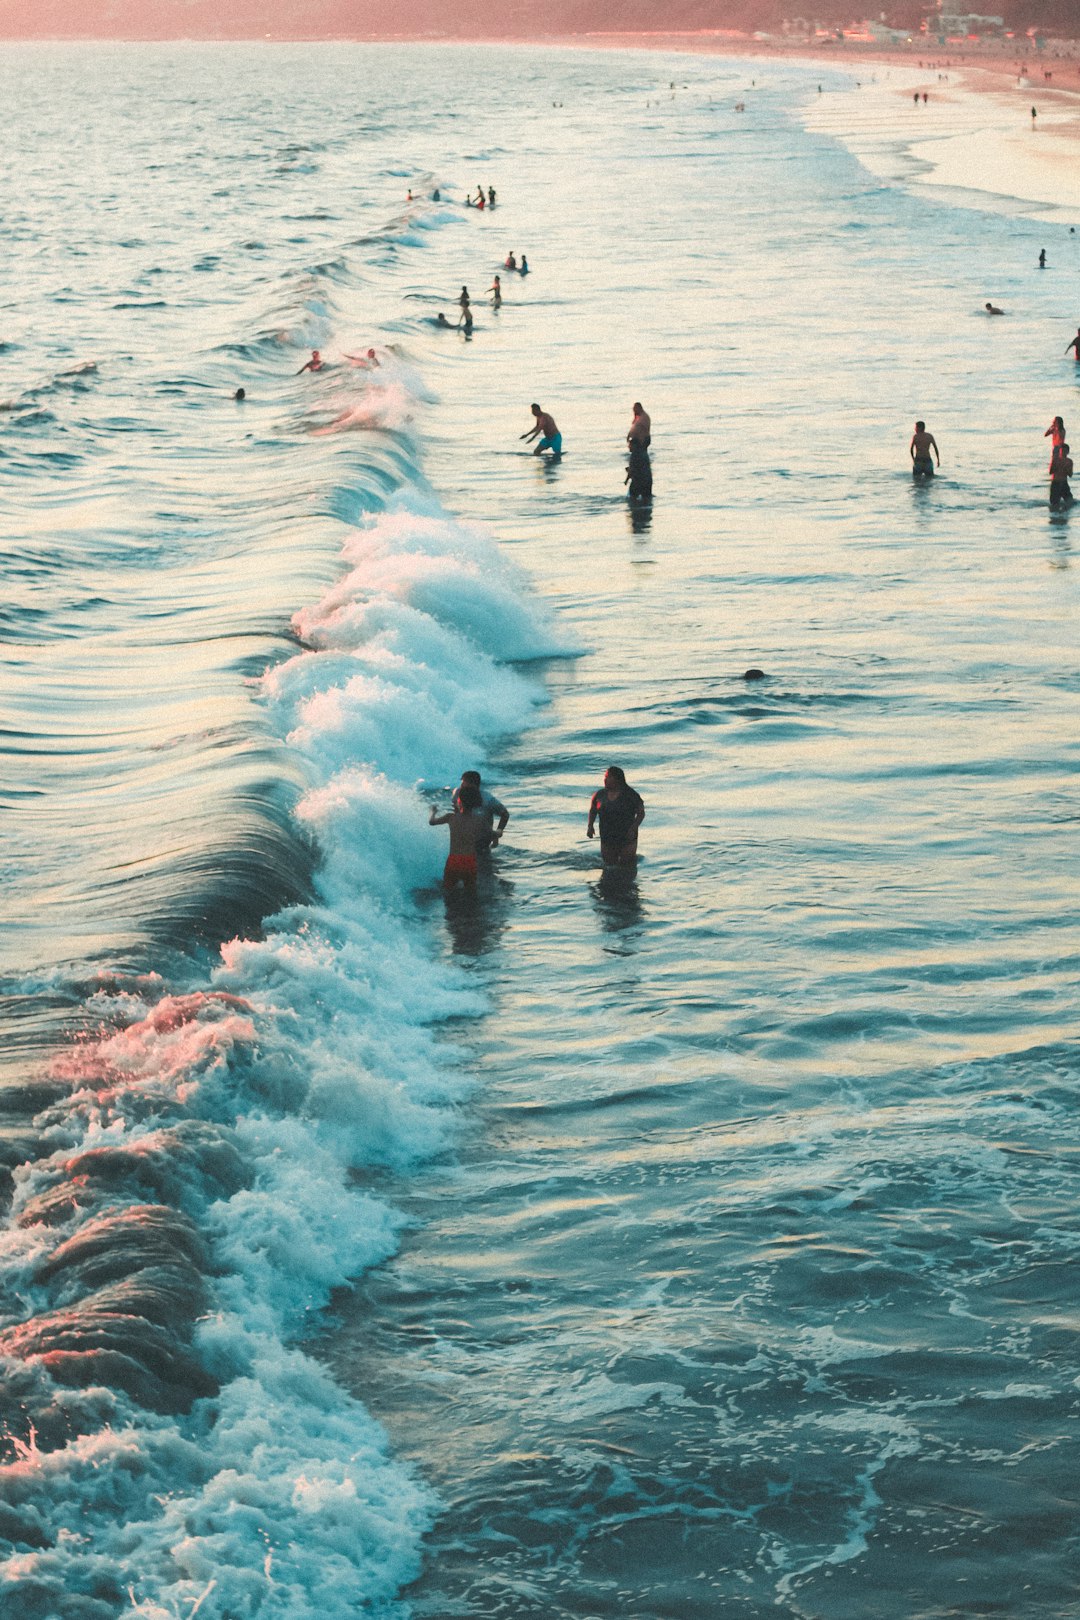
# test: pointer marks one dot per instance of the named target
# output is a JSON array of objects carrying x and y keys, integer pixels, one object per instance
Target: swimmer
[
  {"x": 992, "y": 309},
  {"x": 491, "y": 196},
  {"x": 496, "y": 289},
  {"x": 639, "y": 467},
  {"x": 545, "y": 429},
  {"x": 436, "y": 195},
  {"x": 523, "y": 267},
  {"x": 1042, "y": 258},
  {"x": 463, "y": 298},
  {"x": 510, "y": 263},
  {"x": 920, "y": 447},
  {"x": 369, "y": 361},
  {"x": 465, "y": 321},
  {"x": 441, "y": 320},
  {"x": 1060, "y": 473},
  {"x": 240, "y": 394},
  {"x": 620, "y": 811},
  {"x": 465, "y": 831},
  {"x": 1074, "y": 346},
  {"x": 314, "y": 364}
]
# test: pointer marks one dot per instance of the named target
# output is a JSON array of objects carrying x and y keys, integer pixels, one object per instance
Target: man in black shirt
[{"x": 621, "y": 812}]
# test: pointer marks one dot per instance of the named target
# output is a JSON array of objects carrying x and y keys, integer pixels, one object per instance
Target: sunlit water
[{"x": 726, "y": 1213}]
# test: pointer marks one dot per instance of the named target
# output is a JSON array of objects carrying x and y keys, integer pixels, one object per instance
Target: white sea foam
[{"x": 315, "y": 1051}]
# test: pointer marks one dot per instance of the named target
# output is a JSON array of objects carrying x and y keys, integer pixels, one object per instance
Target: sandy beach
[{"x": 974, "y": 133}]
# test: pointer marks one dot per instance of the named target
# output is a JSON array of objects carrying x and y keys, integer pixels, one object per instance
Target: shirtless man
[
  {"x": 640, "y": 434},
  {"x": 466, "y": 828},
  {"x": 545, "y": 425},
  {"x": 496, "y": 290},
  {"x": 920, "y": 447},
  {"x": 992, "y": 309},
  {"x": 1075, "y": 345},
  {"x": 620, "y": 811},
  {"x": 1060, "y": 472},
  {"x": 314, "y": 364}
]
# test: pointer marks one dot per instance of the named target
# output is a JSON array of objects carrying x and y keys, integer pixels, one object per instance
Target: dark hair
[
  {"x": 534, "y": 407},
  {"x": 638, "y": 406},
  {"x": 471, "y": 776},
  {"x": 469, "y": 796},
  {"x": 1065, "y": 449},
  {"x": 239, "y": 394},
  {"x": 618, "y": 773},
  {"x": 920, "y": 427}
]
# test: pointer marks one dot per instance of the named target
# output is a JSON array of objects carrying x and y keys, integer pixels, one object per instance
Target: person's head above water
[
  {"x": 920, "y": 427},
  {"x": 240, "y": 394},
  {"x": 470, "y": 776},
  {"x": 469, "y": 796}
]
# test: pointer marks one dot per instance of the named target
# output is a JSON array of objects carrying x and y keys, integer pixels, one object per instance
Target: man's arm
[
  {"x": 530, "y": 435},
  {"x": 937, "y": 452},
  {"x": 435, "y": 820}
]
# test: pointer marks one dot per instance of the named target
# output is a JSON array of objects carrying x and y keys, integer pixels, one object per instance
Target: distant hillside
[{"x": 305, "y": 19}]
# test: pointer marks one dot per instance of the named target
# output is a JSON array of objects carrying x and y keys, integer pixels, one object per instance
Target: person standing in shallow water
[
  {"x": 1060, "y": 472},
  {"x": 639, "y": 467},
  {"x": 465, "y": 830},
  {"x": 620, "y": 812},
  {"x": 545, "y": 425},
  {"x": 1074, "y": 346},
  {"x": 922, "y": 443}
]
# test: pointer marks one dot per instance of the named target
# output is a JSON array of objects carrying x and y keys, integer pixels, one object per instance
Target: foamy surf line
[
  {"x": 967, "y": 137},
  {"x": 170, "y": 1449}
]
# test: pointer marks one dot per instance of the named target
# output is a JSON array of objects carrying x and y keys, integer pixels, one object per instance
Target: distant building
[{"x": 950, "y": 23}]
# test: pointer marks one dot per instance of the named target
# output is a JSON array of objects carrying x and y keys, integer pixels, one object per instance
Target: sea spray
[{"x": 171, "y": 1449}]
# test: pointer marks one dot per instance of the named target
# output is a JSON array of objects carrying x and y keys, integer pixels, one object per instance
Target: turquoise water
[{"x": 714, "y": 1228}]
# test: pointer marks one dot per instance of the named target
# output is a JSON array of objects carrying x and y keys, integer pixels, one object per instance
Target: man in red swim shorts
[{"x": 466, "y": 828}]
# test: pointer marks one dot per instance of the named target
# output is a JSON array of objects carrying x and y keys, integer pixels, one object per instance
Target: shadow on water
[
  {"x": 476, "y": 920},
  {"x": 617, "y": 900},
  {"x": 1060, "y": 549},
  {"x": 640, "y": 514}
]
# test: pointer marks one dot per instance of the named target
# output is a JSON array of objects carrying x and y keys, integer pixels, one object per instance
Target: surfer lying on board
[
  {"x": 545, "y": 425},
  {"x": 920, "y": 447}
]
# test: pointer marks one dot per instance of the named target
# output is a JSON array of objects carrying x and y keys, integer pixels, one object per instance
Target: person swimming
[
  {"x": 496, "y": 290},
  {"x": 314, "y": 364},
  {"x": 523, "y": 267},
  {"x": 1074, "y": 346},
  {"x": 465, "y": 321},
  {"x": 441, "y": 320},
  {"x": 510, "y": 263},
  {"x": 922, "y": 443},
  {"x": 992, "y": 309}
]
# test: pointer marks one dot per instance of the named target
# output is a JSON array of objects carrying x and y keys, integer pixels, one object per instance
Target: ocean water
[{"x": 696, "y": 1243}]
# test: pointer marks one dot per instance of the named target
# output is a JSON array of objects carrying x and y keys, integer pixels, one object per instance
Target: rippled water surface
[{"x": 714, "y": 1226}]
